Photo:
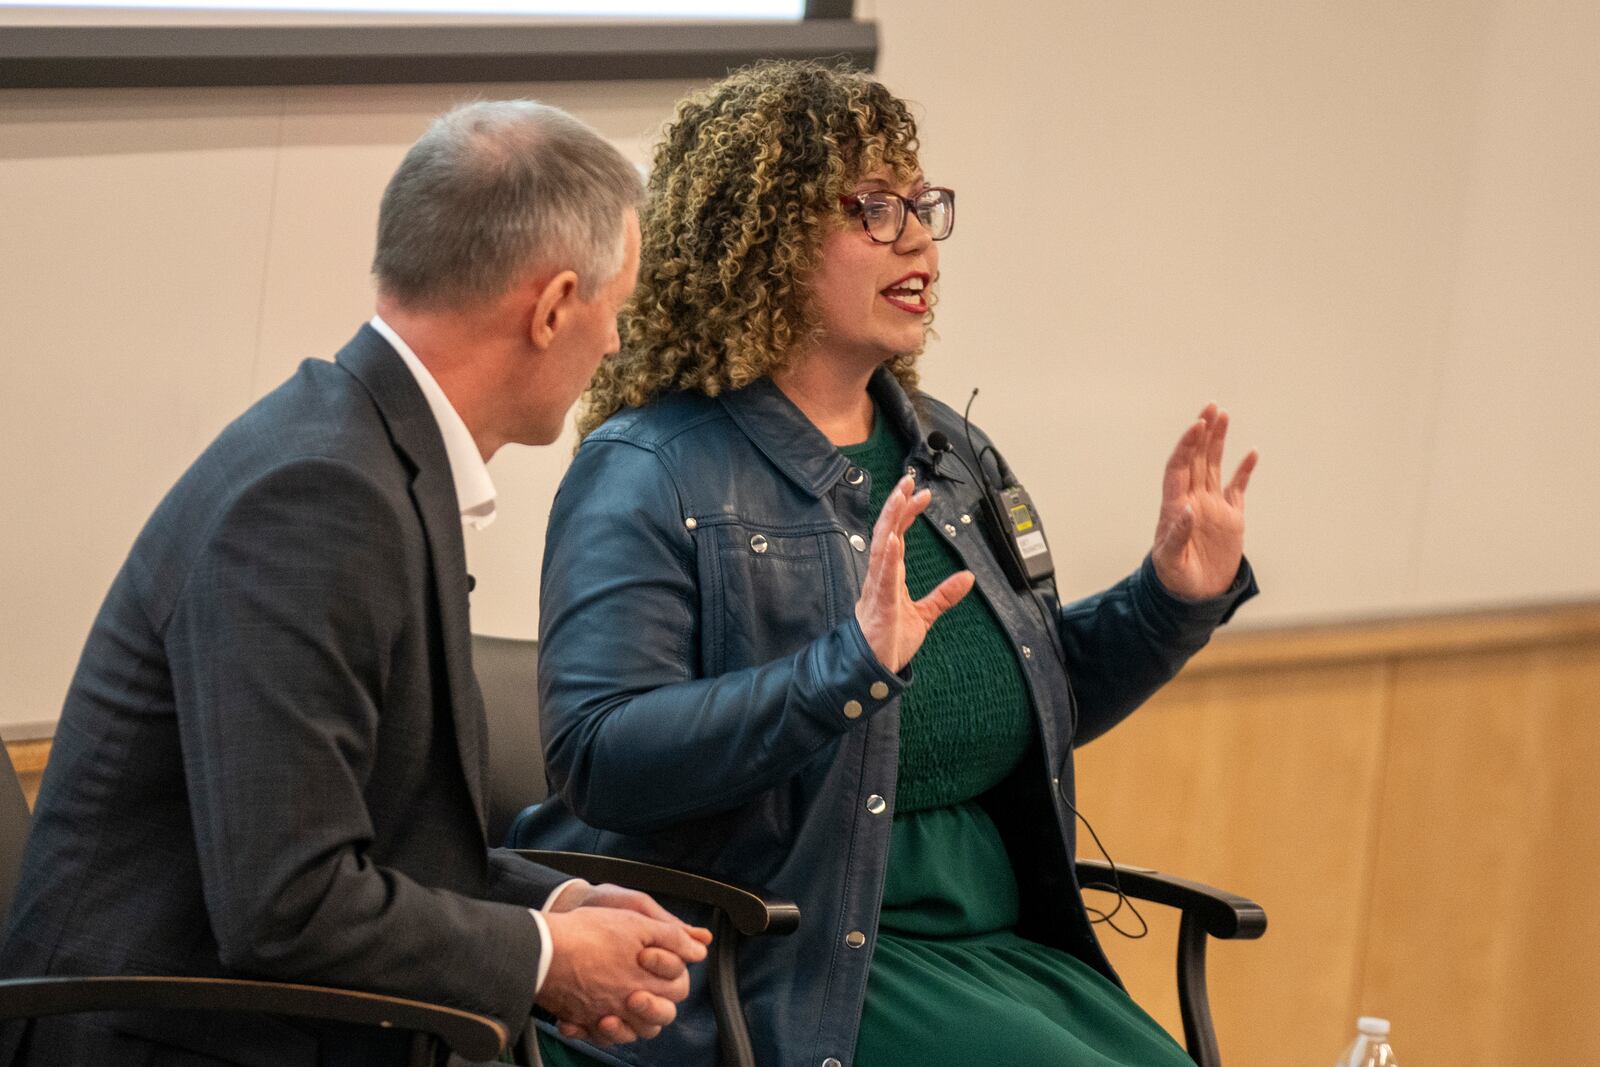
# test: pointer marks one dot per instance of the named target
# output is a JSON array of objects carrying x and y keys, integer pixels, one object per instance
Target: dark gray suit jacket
[{"x": 271, "y": 760}]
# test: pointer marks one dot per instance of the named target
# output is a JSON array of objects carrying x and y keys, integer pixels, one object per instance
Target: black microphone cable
[{"x": 1114, "y": 886}]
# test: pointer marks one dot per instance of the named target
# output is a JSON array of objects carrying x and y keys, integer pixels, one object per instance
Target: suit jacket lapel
[{"x": 416, "y": 436}]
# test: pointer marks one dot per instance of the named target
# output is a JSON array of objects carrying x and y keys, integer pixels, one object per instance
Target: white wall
[
  {"x": 1371, "y": 230},
  {"x": 170, "y": 255}
]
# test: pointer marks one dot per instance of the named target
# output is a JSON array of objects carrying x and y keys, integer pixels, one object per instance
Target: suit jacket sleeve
[
  {"x": 278, "y": 644},
  {"x": 516, "y": 880}
]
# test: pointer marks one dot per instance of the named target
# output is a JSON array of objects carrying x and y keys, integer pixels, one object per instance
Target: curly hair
[{"x": 744, "y": 186}]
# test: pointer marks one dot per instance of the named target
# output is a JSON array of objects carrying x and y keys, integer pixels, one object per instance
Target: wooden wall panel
[
  {"x": 28, "y": 759},
  {"x": 1262, "y": 783},
  {"x": 1484, "y": 944},
  {"x": 1411, "y": 801}
]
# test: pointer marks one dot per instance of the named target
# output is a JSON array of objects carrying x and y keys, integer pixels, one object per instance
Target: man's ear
[{"x": 553, "y": 304}]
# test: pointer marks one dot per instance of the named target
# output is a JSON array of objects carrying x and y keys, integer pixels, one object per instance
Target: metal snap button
[
  {"x": 858, "y": 542},
  {"x": 950, "y": 529},
  {"x": 877, "y": 805},
  {"x": 852, "y": 709},
  {"x": 1027, "y": 653},
  {"x": 911, "y": 471},
  {"x": 758, "y": 544},
  {"x": 690, "y": 522},
  {"x": 879, "y": 690},
  {"x": 966, "y": 520},
  {"x": 855, "y": 475},
  {"x": 855, "y": 939},
  {"x": 831, "y": 1062}
]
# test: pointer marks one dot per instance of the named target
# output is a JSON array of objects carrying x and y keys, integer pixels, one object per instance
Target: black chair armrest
[
  {"x": 751, "y": 912},
  {"x": 473, "y": 1037},
  {"x": 1223, "y": 915},
  {"x": 1206, "y": 911}
]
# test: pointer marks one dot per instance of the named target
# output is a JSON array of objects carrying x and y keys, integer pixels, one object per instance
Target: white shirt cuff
[
  {"x": 546, "y": 948},
  {"x": 556, "y": 892}
]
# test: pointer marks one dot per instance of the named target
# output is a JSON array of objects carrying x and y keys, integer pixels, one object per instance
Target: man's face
[{"x": 586, "y": 336}]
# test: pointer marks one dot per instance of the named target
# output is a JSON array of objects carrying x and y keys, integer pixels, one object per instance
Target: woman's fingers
[
  {"x": 914, "y": 505},
  {"x": 886, "y": 517},
  {"x": 879, "y": 609},
  {"x": 881, "y": 529},
  {"x": 1176, "y": 480},
  {"x": 1202, "y": 448},
  {"x": 1219, "y": 436},
  {"x": 946, "y": 595},
  {"x": 889, "y": 518},
  {"x": 892, "y": 579},
  {"x": 892, "y": 623},
  {"x": 1241, "y": 479}
]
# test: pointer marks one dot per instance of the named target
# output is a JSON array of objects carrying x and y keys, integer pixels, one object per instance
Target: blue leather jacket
[{"x": 709, "y": 701}]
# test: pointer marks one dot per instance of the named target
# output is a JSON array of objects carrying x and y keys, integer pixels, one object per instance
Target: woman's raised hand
[
  {"x": 1200, "y": 532},
  {"x": 892, "y": 622}
]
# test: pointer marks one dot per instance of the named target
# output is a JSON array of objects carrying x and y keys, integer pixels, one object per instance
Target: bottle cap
[{"x": 1373, "y": 1026}]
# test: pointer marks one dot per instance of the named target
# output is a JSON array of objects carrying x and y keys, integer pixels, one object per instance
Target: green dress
[{"x": 951, "y": 982}]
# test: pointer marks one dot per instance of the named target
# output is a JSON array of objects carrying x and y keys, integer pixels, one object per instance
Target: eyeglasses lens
[
  {"x": 883, "y": 217},
  {"x": 936, "y": 213}
]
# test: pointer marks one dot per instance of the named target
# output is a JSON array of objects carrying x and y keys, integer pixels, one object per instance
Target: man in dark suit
[{"x": 271, "y": 759}]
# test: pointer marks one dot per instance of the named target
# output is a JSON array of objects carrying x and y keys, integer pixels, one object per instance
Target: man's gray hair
[{"x": 494, "y": 191}]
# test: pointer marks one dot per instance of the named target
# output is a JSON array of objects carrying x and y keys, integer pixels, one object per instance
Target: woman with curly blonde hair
[{"x": 759, "y": 658}]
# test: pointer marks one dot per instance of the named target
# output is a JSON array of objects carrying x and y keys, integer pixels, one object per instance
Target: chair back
[
  {"x": 13, "y": 832},
  {"x": 508, "y": 674}
]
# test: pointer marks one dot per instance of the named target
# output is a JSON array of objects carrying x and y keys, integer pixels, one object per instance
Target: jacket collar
[
  {"x": 416, "y": 436},
  {"x": 378, "y": 367},
  {"x": 797, "y": 448}
]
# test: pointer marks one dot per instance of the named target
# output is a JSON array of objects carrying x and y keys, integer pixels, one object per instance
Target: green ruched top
[{"x": 965, "y": 718}]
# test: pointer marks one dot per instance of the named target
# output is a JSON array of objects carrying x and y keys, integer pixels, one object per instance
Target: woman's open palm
[
  {"x": 894, "y": 624},
  {"x": 1200, "y": 532}
]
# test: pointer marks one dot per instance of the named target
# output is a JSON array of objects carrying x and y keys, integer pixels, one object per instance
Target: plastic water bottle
[{"x": 1371, "y": 1046}]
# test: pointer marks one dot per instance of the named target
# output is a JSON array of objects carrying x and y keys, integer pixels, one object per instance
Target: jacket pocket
[{"x": 774, "y": 592}]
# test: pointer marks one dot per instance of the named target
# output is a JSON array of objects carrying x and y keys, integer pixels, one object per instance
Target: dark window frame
[{"x": 54, "y": 57}]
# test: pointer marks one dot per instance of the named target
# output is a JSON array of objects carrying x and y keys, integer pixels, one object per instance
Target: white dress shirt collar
[{"x": 474, "y": 490}]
